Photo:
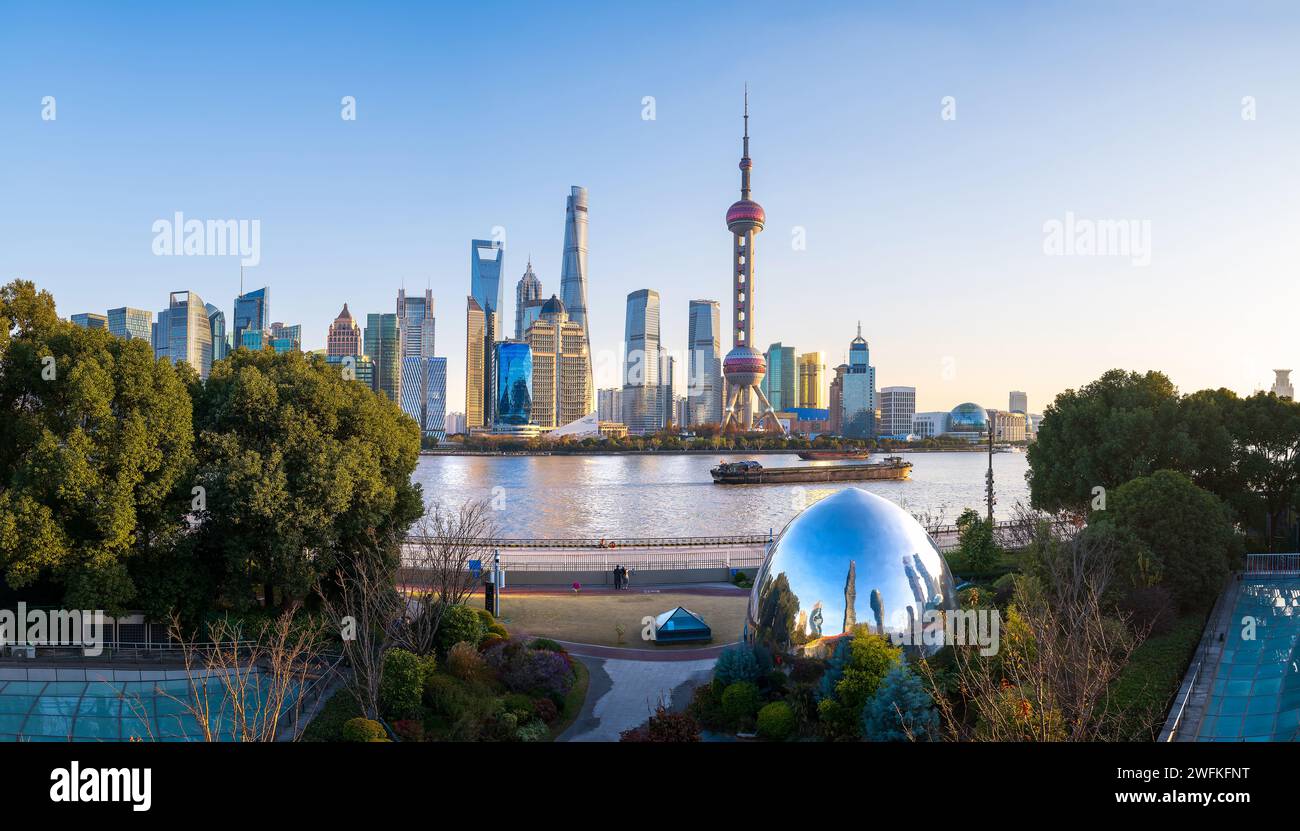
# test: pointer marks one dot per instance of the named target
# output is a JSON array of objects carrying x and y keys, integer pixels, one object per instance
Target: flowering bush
[{"x": 534, "y": 671}]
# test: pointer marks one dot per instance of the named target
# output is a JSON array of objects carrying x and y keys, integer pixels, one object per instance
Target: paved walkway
[{"x": 624, "y": 693}]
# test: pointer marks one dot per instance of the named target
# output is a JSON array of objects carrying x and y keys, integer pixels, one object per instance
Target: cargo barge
[
  {"x": 753, "y": 473},
  {"x": 826, "y": 455}
]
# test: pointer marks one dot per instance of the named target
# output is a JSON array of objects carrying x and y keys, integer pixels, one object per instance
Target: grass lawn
[{"x": 591, "y": 618}]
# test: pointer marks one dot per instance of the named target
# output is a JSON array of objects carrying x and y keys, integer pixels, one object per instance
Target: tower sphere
[
  {"x": 745, "y": 216},
  {"x": 744, "y": 366},
  {"x": 851, "y": 560}
]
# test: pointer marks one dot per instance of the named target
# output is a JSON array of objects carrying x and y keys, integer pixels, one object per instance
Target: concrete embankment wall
[{"x": 643, "y": 577}]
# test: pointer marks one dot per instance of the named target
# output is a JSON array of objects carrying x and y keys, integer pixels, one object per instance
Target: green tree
[
  {"x": 1171, "y": 533},
  {"x": 1121, "y": 426},
  {"x": 976, "y": 543},
  {"x": 1267, "y": 433},
  {"x": 870, "y": 658},
  {"x": 901, "y": 710},
  {"x": 302, "y": 467},
  {"x": 95, "y": 455}
]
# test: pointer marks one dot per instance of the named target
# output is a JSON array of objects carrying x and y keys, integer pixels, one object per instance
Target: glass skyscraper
[
  {"x": 859, "y": 391},
  {"x": 252, "y": 311},
  {"x": 642, "y": 412},
  {"x": 435, "y": 401},
  {"x": 383, "y": 340},
  {"x": 184, "y": 332},
  {"x": 781, "y": 384},
  {"x": 514, "y": 384},
  {"x": 90, "y": 320},
  {"x": 704, "y": 371},
  {"x": 131, "y": 324},
  {"x": 486, "y": 261},
  {"x": 217, "y": 322},
  {"x": 573, "y": 274}
]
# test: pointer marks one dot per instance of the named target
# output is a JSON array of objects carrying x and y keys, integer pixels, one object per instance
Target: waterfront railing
[{"x": 1282, "y": 565}]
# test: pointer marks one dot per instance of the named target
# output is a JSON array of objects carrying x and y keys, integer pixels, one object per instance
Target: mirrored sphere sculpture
[{"x": 853, "y": 559}]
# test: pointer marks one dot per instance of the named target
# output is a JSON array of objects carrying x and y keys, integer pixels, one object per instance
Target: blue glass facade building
[
  {"x": 514, "y": 383},
  {"x": 252, "y": 311}
]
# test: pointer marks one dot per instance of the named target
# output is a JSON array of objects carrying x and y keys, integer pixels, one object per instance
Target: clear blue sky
[{"x": 928, "y": 231}]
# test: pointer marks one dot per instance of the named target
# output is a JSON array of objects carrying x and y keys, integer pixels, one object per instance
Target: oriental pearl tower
[{"x": 744, "y": 366}]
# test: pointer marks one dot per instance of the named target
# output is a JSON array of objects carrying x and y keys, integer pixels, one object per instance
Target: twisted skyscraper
[
  {"x": 573, "y": 275},
  {"x": 744, "y": 366}
]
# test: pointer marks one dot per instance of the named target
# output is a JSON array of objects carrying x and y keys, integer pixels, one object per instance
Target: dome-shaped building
[
  {"x": 852, "y": 559},
  {"x": 968, "y": 418}
]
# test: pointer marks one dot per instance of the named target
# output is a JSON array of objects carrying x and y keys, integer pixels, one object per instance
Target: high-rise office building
[
  {"x": 812, "y": 380},
  {"x": 183, "y": 332},
  {"x": 609, "y": 405},
  {"x": 559, "y": 354},
  {"x": 487, "y": 260},
  {"x": 527, "y": 290},
  {"x": 357, "y": 368},
  {"x": 417, "y": 324},
  {"x": 744, "y": 366},
  {"x": 131, "y": 324},
  {"x": 1018, "y": 402},
  {"x": 837, "y": 400},
  {"x": 435, "y": 398},
  {"x": 704, "y": 371},
  {"x": 217, "y": 322},
  {"x": 781, "y": 384},
  {"x": 91, "y": 320},
  {"x": 573, "y": 274},
  {"x": 667, "y": 389},
  {"x": 455, "y": 424},
  {"x": 383, "y": 342},
  {"x": 477, "y": 361},
  {"x": 344, "y": 336},
  {"x": 642, "y": 412},
  {"x": 286, "y": 338},
  {"x": 897, "y": 408},
  {"x": 514, "y": 384},
  {"x": 252, "y": 311},
  {"x": 859, "y": 390}
]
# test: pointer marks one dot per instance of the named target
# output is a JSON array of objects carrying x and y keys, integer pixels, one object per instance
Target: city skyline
[{"x": 955, "y": 210}]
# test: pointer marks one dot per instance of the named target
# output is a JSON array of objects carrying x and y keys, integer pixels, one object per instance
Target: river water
[{"x": 673, "y": 495}]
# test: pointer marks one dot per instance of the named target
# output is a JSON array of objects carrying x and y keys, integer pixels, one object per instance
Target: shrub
[
  {"x": 363, "y": 730},
  {"x": 806, "y": 670},
  {"x": 547, "y": 644},
  {"x": 901, "y": 710},
  {"x": 489, "y": 640},
  {"x": 776, "y": 721},
  {"x": 1150, "y": 609},
  {"x": 740, "y": 703},
  {"x": 535, "y": 731},
  {"x": 401, "y": 682},
  {"x": 459, "y": 623},
  {"x": 739, "y": 578},
  {"x": 506, "y": 727},
  {"x": 519, "y": 704},
  {"x": 664, "y": 726},
  {"x": 545, "y": 709},
  {"x": 735, "y": 664},
  {"x": 409, "y": 730},
  {"x": 706, "y": 706},
  {"x": 444, "y": 696},
  {"x": 534, "y": 671},
  {"x": 485, "y": 617},
  {"x": 465, "y": 662}
]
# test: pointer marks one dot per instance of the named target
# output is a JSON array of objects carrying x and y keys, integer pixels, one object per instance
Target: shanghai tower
[
  {"x": 573, "y": 274},
  {"x": 744, "y": 366}
]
